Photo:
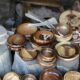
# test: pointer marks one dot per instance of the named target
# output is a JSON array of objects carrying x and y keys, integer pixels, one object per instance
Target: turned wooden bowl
[
  {"x": 25, "y": 29},
  {"x": 47, "y": 58},
  {"x": 63, "y": 32},
  {"x": 43, "y": 37},
  {"x": 50, "y": 74},
  {"x": 67, "y": 50},
  {"x": 47, "y": 54},
  {"x": 29, "y": 77},
  {"x": 16, "y": 41},
  {"x": 28, "y": 54}
]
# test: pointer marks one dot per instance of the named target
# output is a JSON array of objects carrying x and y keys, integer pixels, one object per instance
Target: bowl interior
[{"x": 67, "y": 51}]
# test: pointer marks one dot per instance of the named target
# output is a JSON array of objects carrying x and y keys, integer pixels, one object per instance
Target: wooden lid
[{"x": 25, "y": 29}]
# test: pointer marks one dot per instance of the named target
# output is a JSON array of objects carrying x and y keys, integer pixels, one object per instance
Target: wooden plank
[{"x": 51, "y": 3}]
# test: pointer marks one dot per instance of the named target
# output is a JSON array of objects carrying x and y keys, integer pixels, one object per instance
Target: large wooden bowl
[{"x": 25, "y": 29}]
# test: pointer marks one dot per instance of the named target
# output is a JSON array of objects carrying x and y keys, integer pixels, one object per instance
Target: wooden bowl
[
  {"x": 50, "y": 74},
  {"x": 28, "y": 54},
  {"x": 16, "y": 41},
  {"x": 63, "y": 32},
  {"x": 29, "y": 77},
  {"x": 43, "y": 37},
  {"x": 71, "y": 17},
  {"x": 47, "y": 54},
  {"x": 25, "y": 29},
  {"x": 66, "y": 50},
  {"x": 47, "y": 58}
]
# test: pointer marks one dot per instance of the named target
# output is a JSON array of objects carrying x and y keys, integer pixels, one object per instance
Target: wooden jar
[
  {"x": 63, "y": 32},
  {"x": 28, "y": 54},
  {"x": 16, "y": 41},
  {"x": 68, "y": 56},
  {"x": 43, "y": 37},
  {"x": 25, "y": 29},
  {"x": 29, "y": 77},
  {"x": 50, "y": 74},
  {"x": 47, "y": 58}
]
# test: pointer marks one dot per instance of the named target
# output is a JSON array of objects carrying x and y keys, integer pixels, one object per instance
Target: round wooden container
[
  {"x": 16, "y": 41},
  {"x": 63, "y": 32},
  {"x": 72, "y": 75},
  {"x": 43, "y": 37},
  {"x": 28, "y": 54},
  {"x": 71, "y": 17},
  {"x": 67, "y": 53},
  {"x": 11, "y": 76},
  {"x": 25, "y": 29},
  {"x": 50, "y": 74},
  {"x": 29, "y": 77},
  {"x": 47, "y": 58}
]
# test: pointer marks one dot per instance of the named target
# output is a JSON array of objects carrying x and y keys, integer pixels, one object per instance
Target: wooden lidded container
[
  {"x": 26, "y": 29},
  {"x": 16, "y": 41},
  {"x": 47, "y": 58},
  {"x": 29, "y": 77},
  {"x": 68, "y": 56},
  {"x": 43, "y": 37},
  {"x": 63, "y": 32},
  {"x": 50, "y": 74}
]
